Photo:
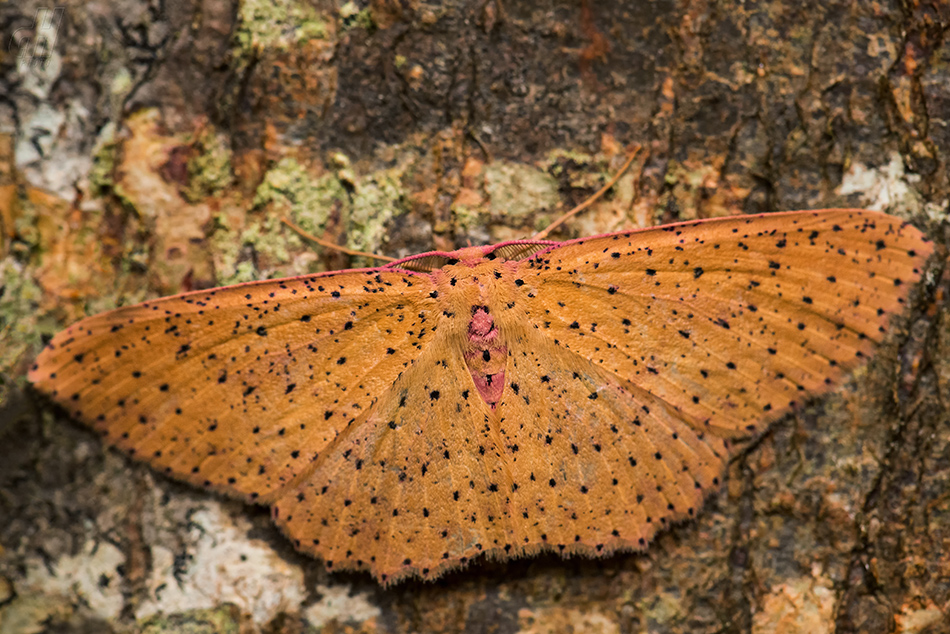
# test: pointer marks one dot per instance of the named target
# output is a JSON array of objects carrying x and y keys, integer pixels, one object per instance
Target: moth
[{"x": 497, "y": 401}]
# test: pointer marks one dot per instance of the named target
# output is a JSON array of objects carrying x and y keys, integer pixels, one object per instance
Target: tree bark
[{"x": 156, "y": 145}]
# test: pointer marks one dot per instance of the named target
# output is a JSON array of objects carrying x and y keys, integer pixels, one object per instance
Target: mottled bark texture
[{"x": 154, "y": 146}]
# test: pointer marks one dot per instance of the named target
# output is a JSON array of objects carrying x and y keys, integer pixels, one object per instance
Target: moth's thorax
[
  {"x": 471, "y": 256},
  {"x": 477, "y": 292},
  {"x": 477, "y": 282}
]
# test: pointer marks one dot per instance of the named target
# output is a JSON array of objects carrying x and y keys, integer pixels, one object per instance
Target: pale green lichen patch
[
  {"x": 225, "y": 619},
  {"x": 363, "y": 205},
  {"x": 377, "y": 199},
  {"x": 467, "y": 218},
  {"x": 228, "y": 248},
  {"x": 517, "y": 190},
  {"x": 101, "y": 176},
  {"x": 589, "y": 173},
  {"x": 257, "y": 250},
  {"x": 256, "y": 246},
  {"x": 351, "y": 17},
  {"x": 119, "y": 88},
  {"x": 209, "y": 169},
  {"x": 292, "y": 191},
  {"x": 289, "y": 190},
  {"x": 280, "y": 24},
  {"x": 20, "y": 326}
]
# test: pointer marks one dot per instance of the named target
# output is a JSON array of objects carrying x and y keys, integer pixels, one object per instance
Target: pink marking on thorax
[{"x": 481, "y": 329}]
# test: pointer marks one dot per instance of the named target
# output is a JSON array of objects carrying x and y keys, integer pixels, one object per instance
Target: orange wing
[
  {"x": 240, "y": 388},
  {"x": 730, "y": 322},
  {"x": 408, "y": 488}
]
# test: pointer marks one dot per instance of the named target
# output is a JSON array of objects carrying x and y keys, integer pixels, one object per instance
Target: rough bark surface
[{"x": 155, "y": 145}]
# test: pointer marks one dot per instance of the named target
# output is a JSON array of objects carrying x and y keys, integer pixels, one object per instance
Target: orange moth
[{"x": 501, "y": 400}]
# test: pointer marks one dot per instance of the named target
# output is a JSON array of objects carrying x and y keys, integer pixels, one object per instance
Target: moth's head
[{"x": 472, "y": 256}]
